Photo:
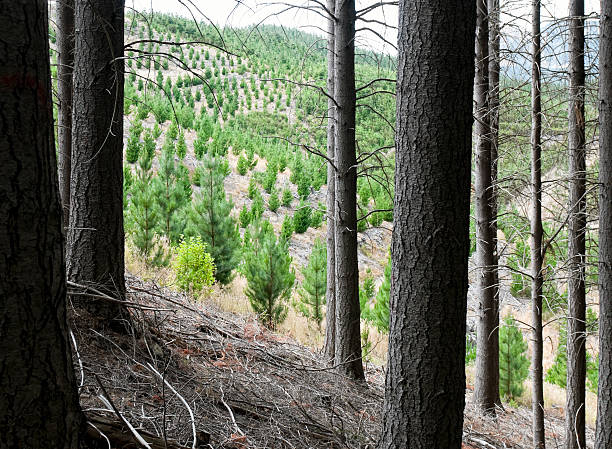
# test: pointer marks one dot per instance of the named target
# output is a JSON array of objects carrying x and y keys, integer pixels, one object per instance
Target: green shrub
[
  {"x": 287, "y": 228},
  {"x": 244, "y": 217},
  {"x": 301, "y": 218},
  {"x": 243, "y": 165},
  {"x": 314, "y": 285},
  {"x": 287, "y": 197},
  {"x": 513, "y": 363},
  {"x": 274, "y": 202},
  {"x": 193, "y": 266}
]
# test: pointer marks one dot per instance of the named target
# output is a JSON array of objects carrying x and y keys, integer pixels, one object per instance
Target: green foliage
[
  {"x": 314, "y": 285},
  {"x": 149, "y": 144},
  {"x": 253, "y": 190},
  {"x": 287, "y": 197},
  {"x": 470, "y": 350},
  {"x": 243, "y": 165},
  {"x": 274, "y": 202},
  {"x": 287, "y": 228},
  {"x": 170, "y": 196},
  {"x": 366, "y": 293},
  {"x": 209, "y": 217},
  {"x": 380, "y": 313},
  {"x": 193, "y": 266},
  {"x": 181, "y": 146},
  {"x": 513, "y": 363},
  {"x": 244, "y": 217},
  {"x": 257, "y": 207},
  {"x": 317, "y": 216},
  {"x": 267, "y": 268},
  {"x": 301, "y": 218},
  {"x": 132, "y": 151}
]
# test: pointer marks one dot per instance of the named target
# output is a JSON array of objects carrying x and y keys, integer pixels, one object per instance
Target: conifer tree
[
  {"x": 169, "y": 195},
  {"x": 143, "y": 212},
  {"x": 267, "y": 268},
  {"x": 244, "y": 217},
  {"x": 287, "y": 197},
  {"x": 513, "y": 363},
  {"x": 132, "y": 151},
  {"x": 314, "y": 285},
  {"x": 181, "y": 146},
  {"x": 287, "y": 228},
  {"x": 274, "y": 202},
  {"x": 210, "y": 218},
  {"x": 149, "y": 144},
  {"x": 380, "y": 314},
  {"x": 301, "y": 218}
]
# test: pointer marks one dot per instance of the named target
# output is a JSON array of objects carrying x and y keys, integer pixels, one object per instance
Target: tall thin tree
[
  {"x": 65, "y": 61},
  {"x": 425, "y": 381},
  {"x": 537, "y": 399},
  {"x": 348, "y": 336},
  {"x": 487, "y": 355},
  {"x": 330, "y": 317},
  {"x": 576, "y": 326},
  {"x": 39, "y": 406},
  {"x": 95, "y": 245},
  {"x": 603, "y": 434}
]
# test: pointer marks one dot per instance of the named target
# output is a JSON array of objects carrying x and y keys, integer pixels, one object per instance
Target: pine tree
[
  {"x": 244, "y": 217},
  {"x": 243, "y": 165},
  {"x": 267, "y": 268},
  {"x": 181, "y": 146},
  {"x": 513, "y": 363},
  {"x": 143, "y": 212},
  {"x": 210, "y": 218},
  {"x": 287, "y": 228},
  {"x": 301, "y": 218},
  {"x": 380, "y": 314},
  {"x": 314, "y": 285},
  {"x": 132, "y": 151},
  {"x": 257, "y": 207},
  {"x": 149, "y": 144},
  {"x": 274, "y": 202},
  {"x": 169, "y": 195},
  {"x": 287, "y": 197}
]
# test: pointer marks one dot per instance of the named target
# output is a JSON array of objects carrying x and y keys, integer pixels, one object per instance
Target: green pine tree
[
  {"x": 210, "y": 218},
  {"x": 301, "y": 218},
  {"x": 170, "y": 196},
  {"x": 366, "y": 293},
  {"x": 513, "y": 363},
  {"x": 181, "y": 146},
  {"x": 274, "y": 202},
  {"x": 287, "y": 228},
  {"x": 244, "y": 217},
  {"x": 149, "y": 144},
  {"x": 132, "y": 151},
  {"x": 243, "y": 165},
  {"x": 144, "y": 214},
  {"x": 314, "y": 285},
  {"x": 287, "y": 197},
  {"x": 380, "y": 313},
  {"x": 267, "y": 268}
]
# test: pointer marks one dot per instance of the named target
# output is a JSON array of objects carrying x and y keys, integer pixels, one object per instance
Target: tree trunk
[
  {"x": 330, "y": 316},
  {"x": 603, "y": 436},
  {"x": 348, "y": 336},
  {"x": 494, "y": 69},
  {"x": 65, "y": 61},
  {"x": 487, "y": 356},
  {"x": 95, "y": 236},
  {"x": 576, "y": 326},
  {"x": 38, "y": 395},
  {"x": 537, "y": 399},
  {"x": 425, "y": 380}
]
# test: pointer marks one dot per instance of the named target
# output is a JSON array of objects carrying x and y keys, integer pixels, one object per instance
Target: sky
[{"x": 239, "y": 13}]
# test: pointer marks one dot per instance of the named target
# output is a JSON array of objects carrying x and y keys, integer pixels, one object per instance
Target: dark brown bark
[
  {"x": 95, "y": 236},
  {"x": 348, "y": 336},
  {"x": 330, "y": 294},
  {"x": 494, "y": 69},
  {"x": 425, "y": 380},
  {"x": 603, "y": 436},
  {"x": 65, "y": 61},
  {"x": 487, "y": 355},
  {"x": 537, "y": 396},
  {"x": 38, "y": 394},
  {"x": 576, "y": 326}
]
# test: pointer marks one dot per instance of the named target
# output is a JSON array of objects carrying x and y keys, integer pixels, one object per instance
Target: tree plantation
[{"x": 337, "y": 223}]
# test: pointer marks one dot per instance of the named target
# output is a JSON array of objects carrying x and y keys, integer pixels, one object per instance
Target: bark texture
[
  {"x": 65, "y": 62},
  {"x": 96, "y": 236},
  {"x": 348, "y": 335},
  {"x": 537, "y": 396},
  {"x": 494, "y": 69},
  {"x": 38, "y": 395},
  {"x": 576, "y": 326},
  {"x": 425, "y": 380},
  {"x": 330, "y": 294},
  {"x": 603, "y": 435},
  {"x": 487, "y": 355}
]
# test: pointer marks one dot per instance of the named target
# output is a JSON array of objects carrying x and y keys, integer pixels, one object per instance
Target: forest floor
[{"x": 186, "y": 368}]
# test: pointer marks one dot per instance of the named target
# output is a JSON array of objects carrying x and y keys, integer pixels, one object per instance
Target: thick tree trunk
[
  {"x": 537, "y": 397},
  {"x": 348, "y": 336},
  {"x": 425, "y": 381},
  {"x": 330, "y": 316},
  {"x": 576, "y": 326},
  {"x": 95, "y": 236},
  {"x": 38, "y": 395},
  {"x": 487, "y": 355},
  {"x": 603, "y": 436},
  {"x": 65, "y": 61},
  {"x": 494, "y": 69}
]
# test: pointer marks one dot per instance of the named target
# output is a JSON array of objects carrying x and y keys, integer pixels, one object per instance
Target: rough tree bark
[
  {"x": 348, "y": 336},
  {"x": 330, "y": 316},
  {"x": 95, "y": 235},
  {"x": 65, "y": 61},
  {"x": 603, "y": 435},
  {"x": 494, "y": 69},
  {"x": 576, "y": 326},
  {"x": 537, "y": 397},
  {"x": 425, "y": 380},
  {"x": 485, "y": 385},
  {"x": 38, "y": 394}
]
